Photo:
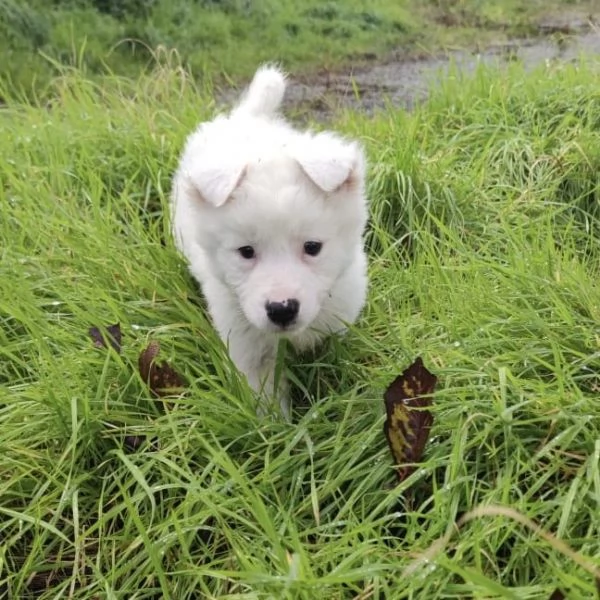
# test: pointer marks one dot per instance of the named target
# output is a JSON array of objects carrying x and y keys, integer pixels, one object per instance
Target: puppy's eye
[
  {"x": 312, "y": 248},
  {"x": 246, "y": 252}
]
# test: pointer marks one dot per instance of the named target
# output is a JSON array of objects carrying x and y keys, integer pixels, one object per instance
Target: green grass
[
  {"x": 484, "y": 254},
  {"x": 231, "y": 36}
]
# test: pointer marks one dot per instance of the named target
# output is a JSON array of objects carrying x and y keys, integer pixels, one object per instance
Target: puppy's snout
[{"x": 283, "y": 313}]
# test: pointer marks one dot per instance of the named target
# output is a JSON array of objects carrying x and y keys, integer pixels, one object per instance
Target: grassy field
[
  {"x": 484, "y": 254},
  {"x": 230, "y": 37}
]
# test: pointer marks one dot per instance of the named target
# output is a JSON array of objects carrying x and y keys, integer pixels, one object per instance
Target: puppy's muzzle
[{"x": 283, "y": 313}]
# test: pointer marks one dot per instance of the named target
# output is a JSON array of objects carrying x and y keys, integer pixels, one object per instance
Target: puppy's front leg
[
  {"x": 257, "y": 359},
  {"x": 272, "y": 390}
]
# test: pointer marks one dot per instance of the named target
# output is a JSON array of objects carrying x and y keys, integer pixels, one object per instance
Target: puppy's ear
[
  {"x": 329, "y": 161},
  {"x": 215, "y": 179}
]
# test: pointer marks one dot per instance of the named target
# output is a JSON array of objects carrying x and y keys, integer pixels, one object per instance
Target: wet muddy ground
[{"x": 402, "y": 82}]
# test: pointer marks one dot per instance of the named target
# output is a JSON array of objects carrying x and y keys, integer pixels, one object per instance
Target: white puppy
[{"x": 270, "y": 220}]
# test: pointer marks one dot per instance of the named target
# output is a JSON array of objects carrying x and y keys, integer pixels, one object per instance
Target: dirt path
[{"x": 403, "y": 82}]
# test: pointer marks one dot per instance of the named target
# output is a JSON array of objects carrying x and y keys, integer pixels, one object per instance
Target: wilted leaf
[
  {"x": 162, "y": 379},
  {"x": 133, "y": 443},
  {"x": 112, "y": 334},
  {"x": 408, "y": 421}
]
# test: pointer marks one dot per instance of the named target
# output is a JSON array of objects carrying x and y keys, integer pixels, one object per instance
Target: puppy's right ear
[
  {"x": 215, "y": 179},
  {"x": 329, "y": 161}
]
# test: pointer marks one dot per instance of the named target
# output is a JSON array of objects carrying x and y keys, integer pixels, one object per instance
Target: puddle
[{"x": 404, "y": 82}]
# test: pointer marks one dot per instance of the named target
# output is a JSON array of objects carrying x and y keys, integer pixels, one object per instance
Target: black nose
[{"x": 283, "y": 313}]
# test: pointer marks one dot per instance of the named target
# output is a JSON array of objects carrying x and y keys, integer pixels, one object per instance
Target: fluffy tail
[{"x": 265, "y": 93}]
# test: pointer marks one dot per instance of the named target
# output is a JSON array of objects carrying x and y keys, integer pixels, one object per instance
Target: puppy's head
[{"x": 279, "y": 224}]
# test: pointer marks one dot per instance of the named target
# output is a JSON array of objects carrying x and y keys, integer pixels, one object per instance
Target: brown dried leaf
[
  {"x": 112, "y": 335},
  {"x": 162, "y": 379},
  {"x": 134, "y": 443},
  {"x": 408, "y": 421}
]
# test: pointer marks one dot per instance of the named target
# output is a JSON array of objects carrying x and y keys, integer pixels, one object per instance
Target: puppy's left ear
[{"x": 329, "y": 161}]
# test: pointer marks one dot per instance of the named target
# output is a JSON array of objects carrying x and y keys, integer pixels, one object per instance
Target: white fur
[{"x": 250, "y": 179}]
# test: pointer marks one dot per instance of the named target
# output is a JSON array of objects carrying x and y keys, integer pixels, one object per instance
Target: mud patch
[{"x": 403, "y": 82}]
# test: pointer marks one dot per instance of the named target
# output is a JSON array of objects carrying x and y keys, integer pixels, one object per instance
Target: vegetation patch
[{"x": 484, "y": 254}]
